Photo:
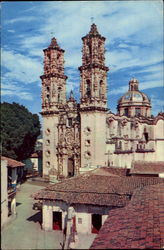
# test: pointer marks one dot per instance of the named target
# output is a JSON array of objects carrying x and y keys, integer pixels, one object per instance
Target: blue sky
[{"x": 134, "y": 40}]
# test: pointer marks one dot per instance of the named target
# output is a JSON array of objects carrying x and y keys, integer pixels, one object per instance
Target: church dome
[{"x": 134, "y": 99}]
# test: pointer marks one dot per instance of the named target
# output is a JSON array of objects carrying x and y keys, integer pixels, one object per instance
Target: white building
[
  {"x": 4, "y": 194},
  {"x": 11, "y": 173},
  {"x": 81, "y": 136}
]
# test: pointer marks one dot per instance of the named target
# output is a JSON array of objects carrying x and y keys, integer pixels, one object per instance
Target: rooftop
[
  {"x": 12, "y": 163},
  {"x": 147, "y": 167},
  {"x": 96, "y": 189},
  {"x": 139, "y": 225}
]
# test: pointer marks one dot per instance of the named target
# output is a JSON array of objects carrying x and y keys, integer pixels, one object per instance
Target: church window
[
  {"x": 48, "y": 164},
  {"x": 48, "y": 153},
  {"x": 79, "y": 220},
  {"x": 59, "y": 94},
  {"x": 48, "y": 89},
  {"x": 87, "y": 142},
  {"x": 126, "y": 111},
  {"x": 146, "y": 135},
  {"x": 88, "y": 88},
  {"x": 47, "y": 131},
  {"x": 69, "y": 122},
  {"x": 48, "y": 98},
  {"x": 137, "y": 111},
  {"x": 47, "y": 142}
]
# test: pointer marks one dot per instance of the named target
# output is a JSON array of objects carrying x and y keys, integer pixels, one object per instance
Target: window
[
  {"x": 146, "y": 136},
  {"x": 79, "y": 220},
  {"x": 59, "y": 94},
  {"x": 48, "y": 98},
  {"x": 87, "y": 142},
  {"x": 69, "y": 122},
  {"x": 88, "y": 88},
  {"x": 47, "y": 131},
  {"x": 47, "y": 142},
  {"x": 137, "y": 111},
  {"x": 126, "y": 111},
  {"x": 48, "y": 164}
]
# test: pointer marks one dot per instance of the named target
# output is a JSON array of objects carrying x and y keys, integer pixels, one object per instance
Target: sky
[{"x": 134, "y": 46}]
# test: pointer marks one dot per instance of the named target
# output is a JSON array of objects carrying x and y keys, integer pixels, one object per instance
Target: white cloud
[
  {"x": 133, "y": 31},
  {"x": 12, "y": 89},
  {"x": 20, "y": 67},
  {"x": 21, "y": 19}
]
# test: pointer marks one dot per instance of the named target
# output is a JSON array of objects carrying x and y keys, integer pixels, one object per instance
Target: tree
[{"x": 19, "y": 131}]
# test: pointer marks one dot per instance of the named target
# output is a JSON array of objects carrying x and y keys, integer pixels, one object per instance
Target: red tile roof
[
  {"x": 147, "y": 167},
  {"x": 12, "y": 163},
  {"x": 95, "y": 189},
  {"x": 139, "y": 225}
]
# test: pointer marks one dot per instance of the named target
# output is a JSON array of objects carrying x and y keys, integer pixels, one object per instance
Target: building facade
[{"x": 81, "y": 136}]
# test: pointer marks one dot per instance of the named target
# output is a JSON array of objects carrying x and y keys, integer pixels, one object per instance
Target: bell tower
[
  {"x": 53, "y": 100},
  {"x": 93, "y": 72},
  {"x": 93, "y": 99},
  {"x": 53, "y": 80}
]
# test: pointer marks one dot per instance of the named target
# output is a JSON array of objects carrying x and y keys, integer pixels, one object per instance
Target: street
[{"x": 25, "y": 231}]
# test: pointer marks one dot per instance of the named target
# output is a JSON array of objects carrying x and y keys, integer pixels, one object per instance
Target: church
[{"x": 78, "y": 137}]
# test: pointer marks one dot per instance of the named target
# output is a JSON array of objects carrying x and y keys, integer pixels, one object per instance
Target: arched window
[
  {"x": 59, "y": 94},
  {"x": 100, "y": 88},
  {"x": 88, "y": 88},
  {"x": 48, "y": 98},
  {"x": 146, "y": 135}
]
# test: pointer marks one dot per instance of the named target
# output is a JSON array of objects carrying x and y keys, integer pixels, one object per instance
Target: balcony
[
  {"x": 144, "y": 150},
  {"x": 121, "y": 151}
]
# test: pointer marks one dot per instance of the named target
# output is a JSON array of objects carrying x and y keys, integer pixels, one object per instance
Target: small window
[
  {"x": 47, "y": 131},
  {"x": 137, "y": 111},
  {"x": 87, "y": 142},
  {"x": 69, "y": 122},
  {"x": 47, "y": 142},
  {"x": 48, "y": 164},
  {"x": 88, "y": 88},
  {"x": 126, "y": 111},
  {"x": 48, "y": 153},
  {"x": 146, "y": 136},
  {"x": 79, "y": 220}
]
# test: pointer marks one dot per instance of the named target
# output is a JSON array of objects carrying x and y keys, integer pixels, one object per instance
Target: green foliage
[{"x": 19, "y": 131}]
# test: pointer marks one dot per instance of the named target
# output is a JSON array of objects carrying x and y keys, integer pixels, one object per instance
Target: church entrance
[
  {"x": 96, "y": 223},
  {"x": 70, "y": 167},
  {"x": 57, "y": 220}
]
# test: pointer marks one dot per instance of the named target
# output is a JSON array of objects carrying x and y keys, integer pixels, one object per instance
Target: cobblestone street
[{"x": 25, "y": 231}]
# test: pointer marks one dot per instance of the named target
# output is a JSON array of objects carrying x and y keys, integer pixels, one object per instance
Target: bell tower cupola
[
  {"x": 53, "y": 79},
  {"x": 93, "y": 72}
]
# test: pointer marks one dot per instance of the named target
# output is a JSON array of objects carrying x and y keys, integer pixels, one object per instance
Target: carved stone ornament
[{"x": 69, "y": 137}]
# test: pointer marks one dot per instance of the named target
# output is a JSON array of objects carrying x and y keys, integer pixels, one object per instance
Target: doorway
[
  {"x": 57, "y": 220},
  {"x": 96, "y": 223},
  {"x": 70, "y": 167}
]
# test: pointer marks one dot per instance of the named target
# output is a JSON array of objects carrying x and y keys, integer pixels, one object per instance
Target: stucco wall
[
  {"x": 96, "y": 122},
  {"x": 50, "y": 140},
  {"x": 4, "y": 194},
  {"x": 83, "y": 215}
]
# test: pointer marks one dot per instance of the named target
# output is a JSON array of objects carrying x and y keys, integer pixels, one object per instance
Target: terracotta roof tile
[
  {"x": 143, "y": 167},
  {"x": 138, "y": 225},
  {"x": 12, "y": 163},
  {"x": 95, "y": 189}
]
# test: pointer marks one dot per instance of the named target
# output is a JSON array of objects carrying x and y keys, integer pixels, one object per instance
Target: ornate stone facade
[{"x": 79, "y": 137}]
